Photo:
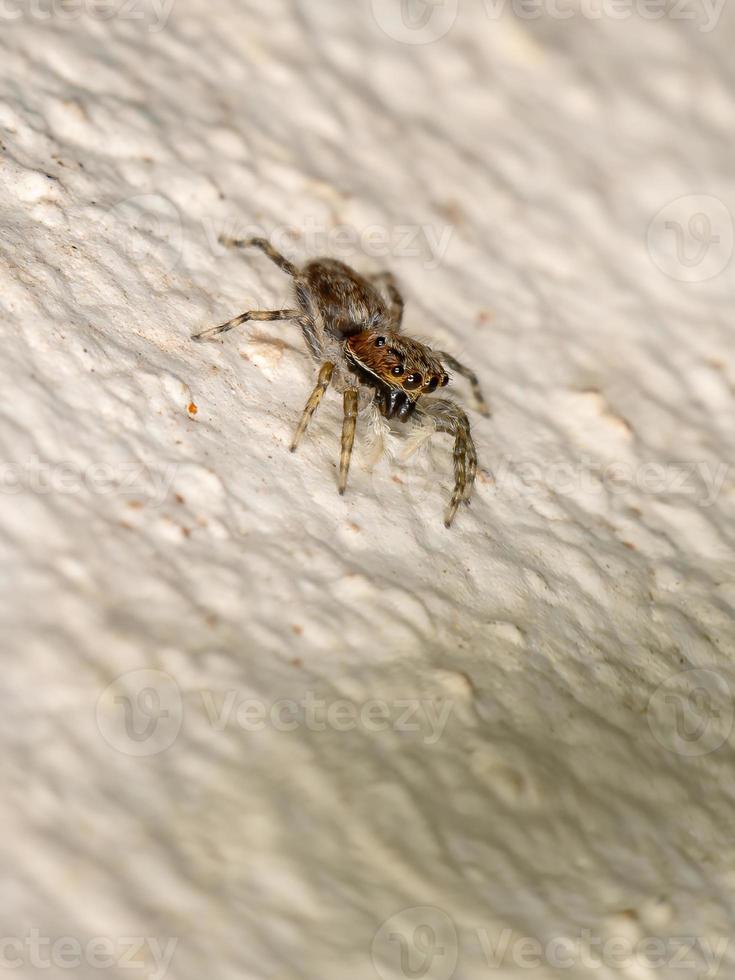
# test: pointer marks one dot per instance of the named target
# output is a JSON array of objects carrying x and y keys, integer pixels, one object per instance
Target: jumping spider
[{"x": 351, "y": 326}]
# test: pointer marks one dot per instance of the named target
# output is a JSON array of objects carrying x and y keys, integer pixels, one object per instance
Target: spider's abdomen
[{"x": 347, "y": 302}]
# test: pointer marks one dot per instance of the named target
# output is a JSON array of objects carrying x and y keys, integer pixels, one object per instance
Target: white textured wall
[{"x": 530, "y": 181}]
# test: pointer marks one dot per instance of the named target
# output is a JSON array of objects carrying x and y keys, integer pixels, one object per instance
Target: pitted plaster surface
[{"x": 522, "y": 773}]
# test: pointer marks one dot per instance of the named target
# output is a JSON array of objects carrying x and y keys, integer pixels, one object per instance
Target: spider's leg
[
  {"x": 348, "y": 436},
  {"x": 454, "y": 365},
  {"x": 311, "y": 337},
  {"x": 265, "y": 246},
  {"x": 325, "y": 376},
  {"x": 471, "y": 453},
  {"x": 450, "y": 418},
  {"x": 386, "y": 281},
  {"x": 465, "y": 469},
  {"x": 243, "y": 318}
]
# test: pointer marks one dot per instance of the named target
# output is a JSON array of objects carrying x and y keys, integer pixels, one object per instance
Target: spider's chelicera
[{"x": 351, "y": 325}]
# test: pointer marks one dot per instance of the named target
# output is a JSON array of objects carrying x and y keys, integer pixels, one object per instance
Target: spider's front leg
[
  {"x": 348, "y": 435},
  {"x": 325, "y": 376},
  {"x": 348, "y": 425},
  {"x": 454, "y": 365},
  {"x": 450, "y": 418}
]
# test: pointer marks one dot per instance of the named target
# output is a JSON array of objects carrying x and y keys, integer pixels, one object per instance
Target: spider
[{"x": 351, "y": 325}]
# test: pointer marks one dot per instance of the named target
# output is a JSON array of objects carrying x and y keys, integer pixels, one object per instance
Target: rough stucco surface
[{"x": 153, "y": 520}]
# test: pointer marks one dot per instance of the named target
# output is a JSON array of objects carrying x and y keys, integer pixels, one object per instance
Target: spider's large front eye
[
  {"x": 380, "y": 342},
  {"x": 413, "y": 381},
  {"x": 398, "y": 370},
  {"x": 433, "y": 384}
]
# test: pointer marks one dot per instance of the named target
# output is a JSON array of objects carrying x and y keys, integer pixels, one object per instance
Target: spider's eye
[
  {"x": 398, "y": 370},
  {"x": 444, "y": 380},
  {"x": 433, "y": 384},
  {"x": 413, "y": 381},
  {"x": 380, "y": 342}
]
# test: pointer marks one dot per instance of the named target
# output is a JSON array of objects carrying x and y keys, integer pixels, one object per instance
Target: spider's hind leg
[
  {"x": 265, "y": 246},
  {"x": 303, "y": 316},
  {"x": 386, "y": 282},
  {"x": 243, "y": 318}
]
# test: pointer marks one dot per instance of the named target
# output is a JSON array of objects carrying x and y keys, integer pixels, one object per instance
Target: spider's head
[{"x": 403, "y": 368}]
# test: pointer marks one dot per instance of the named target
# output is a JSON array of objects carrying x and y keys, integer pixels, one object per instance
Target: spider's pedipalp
[{"x": 374, "y": 429}]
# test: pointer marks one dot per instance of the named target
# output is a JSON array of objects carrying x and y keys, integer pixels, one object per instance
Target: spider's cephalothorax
[
  {"x": 400, "y": 370},
  {"x": 351, "y": 326}
]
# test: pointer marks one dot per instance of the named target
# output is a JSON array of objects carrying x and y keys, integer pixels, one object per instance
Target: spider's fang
[
  {"x": 406, "y": 410},
  {"x": 393, "y": 402}
]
